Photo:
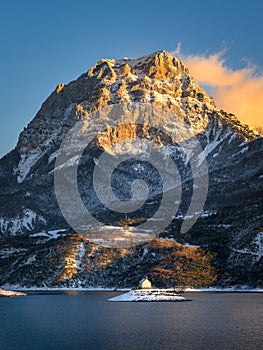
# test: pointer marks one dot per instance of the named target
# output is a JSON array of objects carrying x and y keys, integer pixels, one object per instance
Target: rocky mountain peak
[
  {"x": 159, "y": 72},
  {"x": 230, "y": 223},
  {"x": 162, "y": 65},
  {"x": 159, "y": 79}
]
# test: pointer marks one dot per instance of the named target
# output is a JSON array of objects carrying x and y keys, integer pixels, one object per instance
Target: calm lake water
[{"x": 85, "y": 320}]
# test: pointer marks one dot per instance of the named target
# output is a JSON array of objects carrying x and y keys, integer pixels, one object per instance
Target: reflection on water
[{"x": 85, "y": 320}]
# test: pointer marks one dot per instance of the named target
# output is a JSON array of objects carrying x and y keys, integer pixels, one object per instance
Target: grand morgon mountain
[{"x": 225, "y": 245}]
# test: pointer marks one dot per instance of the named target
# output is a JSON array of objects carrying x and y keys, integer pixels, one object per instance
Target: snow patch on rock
[
  {"x": 25, "y": 165},
  {"x": 81, "y": 254},
  {"x": 20, "y": 223}
]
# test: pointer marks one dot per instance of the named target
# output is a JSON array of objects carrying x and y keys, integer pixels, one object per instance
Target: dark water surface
[{"x": 85, "y": 320}]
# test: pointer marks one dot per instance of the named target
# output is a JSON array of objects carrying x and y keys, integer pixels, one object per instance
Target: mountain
[{"x": 34, "y": 250}]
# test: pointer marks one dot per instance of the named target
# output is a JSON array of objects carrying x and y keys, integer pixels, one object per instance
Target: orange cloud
[{"x": 237, "y": 91}]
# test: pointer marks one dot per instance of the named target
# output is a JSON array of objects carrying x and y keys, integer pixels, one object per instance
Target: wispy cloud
[{"x": 237, "y": 91}]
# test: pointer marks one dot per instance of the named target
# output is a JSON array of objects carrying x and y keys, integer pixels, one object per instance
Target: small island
[
  {"x": 146, "y": 293},
  {"x": 10, "y": 293},
  {"x": 149, "y": 295}
]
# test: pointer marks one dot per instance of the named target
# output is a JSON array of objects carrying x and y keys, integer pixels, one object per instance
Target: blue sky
[{"x": 44, "y": 43}]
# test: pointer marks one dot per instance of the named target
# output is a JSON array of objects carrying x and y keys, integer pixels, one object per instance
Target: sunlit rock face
[{"x": 231, "y": 221}]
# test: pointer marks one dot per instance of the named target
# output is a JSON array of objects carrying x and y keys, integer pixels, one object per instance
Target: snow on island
[
  {"x": 149, "y": 295},
  {"x": 10, "y": 293}
]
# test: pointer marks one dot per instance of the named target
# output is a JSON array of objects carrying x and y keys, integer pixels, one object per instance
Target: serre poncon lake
[{"x": 86, "y": 320}]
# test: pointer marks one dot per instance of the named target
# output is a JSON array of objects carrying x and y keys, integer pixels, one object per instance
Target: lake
[{"x": 86, "y": 320}]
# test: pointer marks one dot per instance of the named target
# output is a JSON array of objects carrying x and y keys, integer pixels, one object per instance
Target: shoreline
[{"x": 102, "y": 289}]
